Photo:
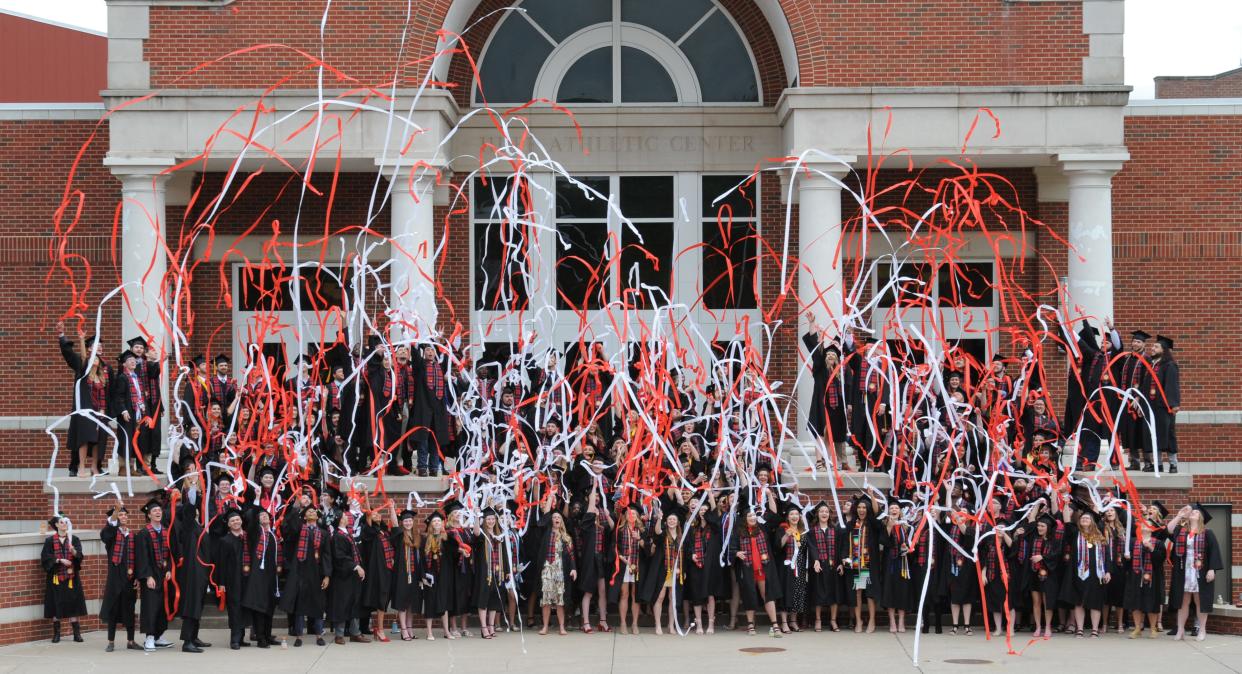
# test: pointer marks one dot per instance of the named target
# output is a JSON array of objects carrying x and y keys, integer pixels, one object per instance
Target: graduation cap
[
  {"x": 267, "y": 470},
  {"x": 952, "y": 373},
  {"x": 54, "y": 520},
  {"x": 635, "y": 507},
  {"x": 711, "y": 388},
  {"x": 490, "y": 512},
  {"x": 822, "y": 504},
  {"x": 374, "y": 341},
  {"x": 1047, "y": 519},
  {"x": 126, "y": 355},
  {"x": 222, "y": 360},
  {"x": 89, "y": 341},
  {"x": 1207, "y": 517},
  {"x": 676, "y": 509},
  {"x": 137, "y": 341},
  {"x": 452, "y": 507},
  {"x": 224, "y": 477},
  {"x": 1140, "y": 335},
  {"x": 200, "y": 360},
  {"x": 407, "y": 514},
  {"x": 230, "y": 514},
  {"x": 435, "y": 515},
  {"x": 833, "y": 349},
  {"x": 153, "y": 503},
  {"x": 1165, "y": 342},
  {"x": 1164, "y": 512},
  {"x": 1088, "y": 331}
]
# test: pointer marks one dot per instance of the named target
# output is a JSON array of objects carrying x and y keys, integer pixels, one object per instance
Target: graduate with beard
[
  {"x": 120, "y": 588},
  {"x": 154, "y": 573},
  {"x": 305, "y": 591},
  {"x": 191, "y": 549},
  {"x": 262, "y": 565},
  {"x": 348, "y": 574}
]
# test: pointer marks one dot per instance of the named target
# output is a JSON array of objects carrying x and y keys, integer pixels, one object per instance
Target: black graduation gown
[
  {"x": 345, "y": 590},
  {"x": 1163, "y": 392},
  {"x": 377, "y": 586},
  {"x": 960, "y": 570},
  {"x": 591, "y": 565},
  {"x": 407, "y": 592},
  {"x": 1044, "y": 576},
  {"x": 1115, "y": 595},
  {"x": 428, "y": 413},
  {"x": 1088, "y": 592},
  {"x": 747, "y": 580},
  {"x": 825, "y": 584},
  {"x": 385, "y": 410},
  {"x": 794, "y": 571},
  {"x": 438, "y": 598},
  {"x": 62, "y": 598},
  {"x": 705, "y": 577},
  {"x": 461, "y": 553},
  {"x": 824, "y": 420},
  {"x": 875, "y": 561},
  {"x": 492, "y": 570},
  {"x": 228, "y": 574},
  {"x": 263, "y": 582},
  {"x": 996, "y": 590},
  {"x": 191, "y": 550},
  {"x": 867, "y": 392},
  {"x": 656, "y": 570},
  {"x": 896, "y": 586},
  {"x": 82, "y": 429},
  {"x": 1207, "y": 589},
  {"x": 302, "y": 592},
  {"x": 153, "y": 618},
  {"x": 1146, "y": 595},
  {"x": 1079, "y": 383},
  {"x": 119, "y": 593}
]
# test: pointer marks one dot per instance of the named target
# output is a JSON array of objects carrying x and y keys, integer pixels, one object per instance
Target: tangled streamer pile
[{"x": 668, "y": 423}]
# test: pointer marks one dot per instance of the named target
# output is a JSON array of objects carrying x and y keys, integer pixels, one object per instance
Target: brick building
[{"x": 211, "y": 109}]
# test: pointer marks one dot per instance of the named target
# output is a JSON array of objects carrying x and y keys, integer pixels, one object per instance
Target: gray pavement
[{"x": 650, "y": 654}]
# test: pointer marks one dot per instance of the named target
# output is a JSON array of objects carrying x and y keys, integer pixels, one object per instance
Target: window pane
[
  {"x": 672, "y": 19},
  {"x": 489, "y": 192},
  {"x": 966, "y": 284},
  {"x": 721, "y": 62},
  {"x": 562, "y": 18},
  {"x": 512, "y": 62},
  {"x": 501, "y": 258},
  {"x": 272, "y": 289},
  {"x": 643, "y": 79},
  {"x": 911, "y": 292},
  {"x": 730, "y": 260},
  {"x": 572, "y": 202},
  {"x": 589, "y": 80},
  {"x": 649, "y": 263},
  {"x": 581, "y": 274},
  {"x": 647, "y": 196},
  {"x": 741, "y": 201},
  {"x": 492, "y": 363}
]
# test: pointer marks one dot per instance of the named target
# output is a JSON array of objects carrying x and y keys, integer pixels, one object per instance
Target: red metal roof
[{"x": 44, "y": 62}]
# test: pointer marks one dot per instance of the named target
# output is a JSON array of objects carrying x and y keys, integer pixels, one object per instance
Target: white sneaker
[
  {"x": 160, "y": 643},
  {"x": 149, "y": 645}
]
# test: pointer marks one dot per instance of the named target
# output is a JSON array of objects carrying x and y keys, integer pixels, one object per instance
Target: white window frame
[
  {"x": 299, "y": 328},
  {"x": 620, "y": 33},
  {"x": 952, "y": 323}
]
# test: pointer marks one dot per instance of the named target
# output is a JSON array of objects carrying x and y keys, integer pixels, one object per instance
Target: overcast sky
[{"x": 1163, "y": 37}]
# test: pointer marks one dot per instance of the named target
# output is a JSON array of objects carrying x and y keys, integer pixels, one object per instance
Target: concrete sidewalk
[{"x": 649, "y": 654}]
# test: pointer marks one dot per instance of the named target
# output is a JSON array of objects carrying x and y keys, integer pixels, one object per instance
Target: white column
[
  {"x": 144, "y": 261},
  {"x": 819, "y": 278},
  {"x": 1090, "y": 269},
  {"x": 413, "y": 251}
]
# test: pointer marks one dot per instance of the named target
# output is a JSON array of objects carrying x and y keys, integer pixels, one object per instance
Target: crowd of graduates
[{"x": 609, "y": 486}]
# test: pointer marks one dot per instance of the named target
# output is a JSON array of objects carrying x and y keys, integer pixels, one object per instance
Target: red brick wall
[
  {"x": 1177, "y": 244},
  {"x": 936, "y": 42},
  {"x": 1224, "y": 85},
  {"x": 839, "y": 42},
  {"x": 38, "y": 157}
]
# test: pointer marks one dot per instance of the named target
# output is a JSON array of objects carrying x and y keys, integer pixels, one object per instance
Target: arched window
[{"x": 616, "y": 52}]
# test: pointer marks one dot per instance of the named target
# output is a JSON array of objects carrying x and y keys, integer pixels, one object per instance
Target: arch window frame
[{"x": 618, "y": 34}]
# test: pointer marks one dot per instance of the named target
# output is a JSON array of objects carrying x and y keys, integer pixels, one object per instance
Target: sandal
[
  {"x": 603, "y": 627},
  {"x": 953, "y": 631},
  {"x": 750, "y": 629},
  {"x": 784, "y": 629},
  {"x": 1078, "y": 634},
  {"x": 834, "y": 628},
  {"x": 793, "y": 627},
  {"x": 1095, "y": 634},
  {"x": 586, "y": 629},
  {"x": 969, "y": 632},
  {"x": 380, "y": 636}
]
